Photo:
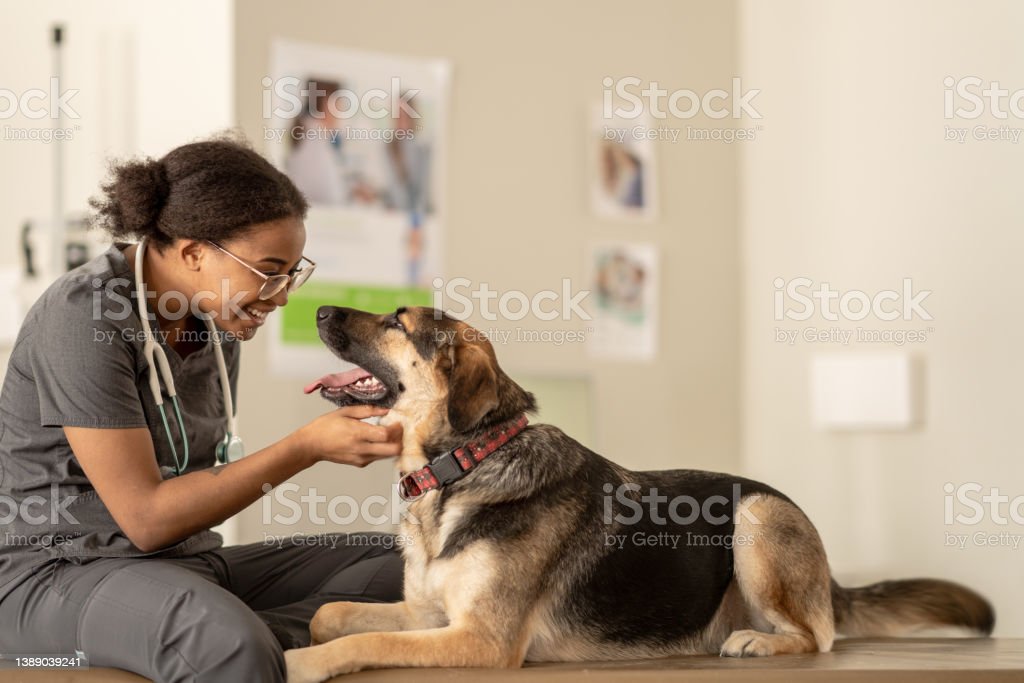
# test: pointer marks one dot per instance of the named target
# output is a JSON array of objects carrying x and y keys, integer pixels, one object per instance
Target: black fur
[{"x": 543, "y": 468}]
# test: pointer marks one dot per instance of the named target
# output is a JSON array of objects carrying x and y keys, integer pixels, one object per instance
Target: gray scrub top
[{"x": 78, "y": 361}]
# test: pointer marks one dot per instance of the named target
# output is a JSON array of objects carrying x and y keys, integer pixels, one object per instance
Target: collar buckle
[{"x": 446, "y": 468}]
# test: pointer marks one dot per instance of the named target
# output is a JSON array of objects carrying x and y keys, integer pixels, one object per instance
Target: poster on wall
[
  {"x": 623, "y": 279},
  {"x": 362, "y": 135},
  {"x": 623, "y": 173}
]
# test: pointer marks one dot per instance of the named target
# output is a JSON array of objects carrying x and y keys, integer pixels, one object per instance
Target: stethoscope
[{"x": 230, "y": 448}]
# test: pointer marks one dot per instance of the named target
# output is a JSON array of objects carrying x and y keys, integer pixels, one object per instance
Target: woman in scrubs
[{"x": 107, "y": 548}]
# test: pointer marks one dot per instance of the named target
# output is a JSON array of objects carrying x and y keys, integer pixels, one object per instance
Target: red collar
[{"x": 456, "y": 463}]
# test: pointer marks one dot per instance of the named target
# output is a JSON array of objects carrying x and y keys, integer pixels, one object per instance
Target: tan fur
[
  {"x": 463, "y": 586},
  {"x": 784, "y": 578},
  {"x": 338, "y": 619},
  {"x": 419, "y": 408}
]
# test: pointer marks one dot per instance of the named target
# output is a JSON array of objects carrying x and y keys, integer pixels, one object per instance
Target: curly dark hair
[{"x": 215, "y": 189}]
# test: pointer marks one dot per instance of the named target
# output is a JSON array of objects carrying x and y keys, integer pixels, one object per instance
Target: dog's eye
[{"x": 393, "y": 321}]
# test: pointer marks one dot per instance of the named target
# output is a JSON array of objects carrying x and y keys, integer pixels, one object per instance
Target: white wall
[
  {"x": 852, "y": 183},
  {"x": 150, "y": 76}
]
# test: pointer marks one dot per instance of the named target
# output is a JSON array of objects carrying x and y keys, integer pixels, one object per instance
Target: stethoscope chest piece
[{"x": 230, "y": 449}]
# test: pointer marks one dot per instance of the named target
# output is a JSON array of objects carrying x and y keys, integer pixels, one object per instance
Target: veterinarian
[{"x": 107, "y": 497}]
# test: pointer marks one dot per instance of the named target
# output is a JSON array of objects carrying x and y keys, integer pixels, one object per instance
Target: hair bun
[
  {"x": 161, "y": 185},
  {"x": 135, "y": 195},
  {"x": 212, "y": 189}
]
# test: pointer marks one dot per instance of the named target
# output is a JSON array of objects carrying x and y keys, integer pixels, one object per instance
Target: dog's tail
[{"x": 900, "y": 608}]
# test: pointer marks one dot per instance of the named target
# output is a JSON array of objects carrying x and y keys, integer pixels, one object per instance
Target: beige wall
[
  {"x": 852, "y": 183},
  {"x": 525, "y": 77}
]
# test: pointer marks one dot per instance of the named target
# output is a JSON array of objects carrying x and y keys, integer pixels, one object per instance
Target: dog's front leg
[
  {"x": 450, "y": 646},
  {"x": 336, "y": 619}
]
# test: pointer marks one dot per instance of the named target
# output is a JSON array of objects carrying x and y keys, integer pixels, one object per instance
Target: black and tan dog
[{"x": 526, "y": 546}]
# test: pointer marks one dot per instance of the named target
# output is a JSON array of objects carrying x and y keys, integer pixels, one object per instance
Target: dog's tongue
[{"x": 338, "y": 379}]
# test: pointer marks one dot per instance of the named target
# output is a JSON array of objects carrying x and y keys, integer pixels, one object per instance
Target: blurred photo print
[
  {"x": 622, "y": 162},
  {"x": 623, "y": 301},
  {"x": 362, "y": 135}
]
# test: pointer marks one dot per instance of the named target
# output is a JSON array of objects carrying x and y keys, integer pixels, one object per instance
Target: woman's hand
[{"x": 339, "y": 436}]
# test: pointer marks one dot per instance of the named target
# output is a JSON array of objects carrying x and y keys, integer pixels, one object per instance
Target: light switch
[{"x": 853, "y": 392}]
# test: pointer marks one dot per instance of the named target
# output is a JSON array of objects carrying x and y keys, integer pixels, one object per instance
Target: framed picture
[{"x": 623, "y": 182}]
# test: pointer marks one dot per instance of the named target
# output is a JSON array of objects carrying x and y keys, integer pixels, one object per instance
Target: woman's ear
[
  {"x": 190, "y": 253},
  {"x": 472, "y": 386}
]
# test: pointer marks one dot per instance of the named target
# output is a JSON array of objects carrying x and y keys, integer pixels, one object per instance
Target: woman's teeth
[{"x": 256, "y": 315}]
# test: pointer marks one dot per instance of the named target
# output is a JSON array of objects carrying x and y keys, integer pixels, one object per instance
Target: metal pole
[{"x": 58, "y": 161}]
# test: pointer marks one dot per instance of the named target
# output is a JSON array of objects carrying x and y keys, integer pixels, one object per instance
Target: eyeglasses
[{"x": 275, "y": 284}]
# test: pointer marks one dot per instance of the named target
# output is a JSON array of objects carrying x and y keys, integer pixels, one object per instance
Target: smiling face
[
  {"x": 434, "y": 370},
  {"x": 269, "y": 248}
]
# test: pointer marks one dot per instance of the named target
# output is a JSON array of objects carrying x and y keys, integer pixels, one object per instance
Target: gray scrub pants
[{"x": 225, "y": 615}]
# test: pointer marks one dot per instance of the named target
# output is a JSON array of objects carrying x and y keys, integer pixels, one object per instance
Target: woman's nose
[{"x": 281, "y": 298}]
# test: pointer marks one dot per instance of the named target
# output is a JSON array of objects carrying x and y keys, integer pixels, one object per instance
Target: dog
[{"x": 523, "y": 545}]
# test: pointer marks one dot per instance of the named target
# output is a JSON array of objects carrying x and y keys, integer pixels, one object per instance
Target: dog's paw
[
  {"x": 328, "y": 623},
  {"x": 748, "y": 643},
  {"x": 301, "y": 666},
  {"x": 318, "y": 663}
]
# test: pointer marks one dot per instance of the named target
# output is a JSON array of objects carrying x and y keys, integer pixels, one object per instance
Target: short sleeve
[{"x": 84, "y": 367}]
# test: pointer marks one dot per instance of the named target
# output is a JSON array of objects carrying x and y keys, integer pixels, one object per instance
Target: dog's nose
[{"x": 325, "y": 312}]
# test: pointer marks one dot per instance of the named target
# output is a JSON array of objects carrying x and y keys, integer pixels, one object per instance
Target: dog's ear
[{"x": 472, "y": 386}]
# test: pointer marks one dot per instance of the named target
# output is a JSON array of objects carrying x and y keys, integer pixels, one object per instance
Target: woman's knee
[
  {"x": 378, "y": 578},
  {"x": 221, "y": 639},
  {"x": 174, "y": 625},
  {"x": 237, "y": 646}
]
